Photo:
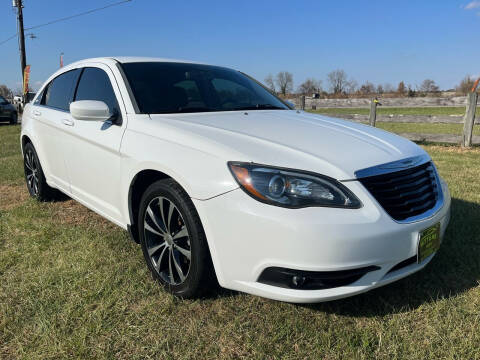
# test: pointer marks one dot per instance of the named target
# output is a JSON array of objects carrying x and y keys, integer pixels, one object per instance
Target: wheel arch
[
  {"x": 140, "y": 182},
  {"x": 25, "y": 140}
]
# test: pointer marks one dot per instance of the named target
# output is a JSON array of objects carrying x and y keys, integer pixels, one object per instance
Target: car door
[
  {"x": 50, "y": 112},
  {"x": 93, "y": 155},
  {"x": 3, "y": 106}
]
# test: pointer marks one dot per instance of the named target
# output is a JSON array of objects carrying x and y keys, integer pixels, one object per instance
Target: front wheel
[{"x": 173, "y": 241}]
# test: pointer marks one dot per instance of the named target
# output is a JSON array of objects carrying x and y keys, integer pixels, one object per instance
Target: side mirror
[
  {"x": 90, "y": 110},
  {"x": 289, "y": 103}
]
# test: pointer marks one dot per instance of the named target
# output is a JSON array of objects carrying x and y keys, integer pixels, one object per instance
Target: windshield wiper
[{"x": 260, "y": 107}]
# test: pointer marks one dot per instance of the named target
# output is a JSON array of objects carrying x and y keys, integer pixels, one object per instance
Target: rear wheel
[
  {"x": 36, "y": 184},
  {"x": 173, "y": 241},
  {"x": 13, "y": 119}
]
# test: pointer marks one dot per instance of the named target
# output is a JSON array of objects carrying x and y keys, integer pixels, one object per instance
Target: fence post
[
  {"x": 373, "y": 112},
  {"x": 469, "y": 119},
  {"x": 302, "y": 102}
]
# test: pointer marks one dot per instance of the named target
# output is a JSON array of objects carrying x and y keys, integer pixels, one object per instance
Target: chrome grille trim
[{"x": 408, "y": 190}]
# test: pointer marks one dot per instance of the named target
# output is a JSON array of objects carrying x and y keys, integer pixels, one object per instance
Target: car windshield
[
  {"x": 166, "y": 88},
  {"x": 3, "y": 100}
]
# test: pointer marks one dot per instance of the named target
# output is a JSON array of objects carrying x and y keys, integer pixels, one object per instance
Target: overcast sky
[{"x": 380, "y": 41}]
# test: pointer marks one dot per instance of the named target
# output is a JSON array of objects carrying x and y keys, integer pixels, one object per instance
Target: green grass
[
  {"x": 440, "y": 110},
  {"x": 425, "y": 128},
  {"x": 73, "y": 285}
]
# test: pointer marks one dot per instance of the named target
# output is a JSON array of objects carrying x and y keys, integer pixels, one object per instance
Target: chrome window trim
[
  {"x": 400, "y": 165},
  {"x": 52, "y": 108}
]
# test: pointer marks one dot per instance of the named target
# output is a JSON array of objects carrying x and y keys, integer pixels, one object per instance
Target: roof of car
[{"x": 132, "y": 59}]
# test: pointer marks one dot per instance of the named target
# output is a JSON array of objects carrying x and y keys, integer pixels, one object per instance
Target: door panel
[
  {"x": 93, "y": 155},
  {"x": 48, "y": 112},
  {"x": 51, "y": 136}
]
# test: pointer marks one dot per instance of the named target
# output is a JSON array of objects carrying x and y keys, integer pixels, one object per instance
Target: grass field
[
  {"x": 425, "y": 128},
  {"x": 73, "y": 285},
  {"x": 440, "y": 110}
]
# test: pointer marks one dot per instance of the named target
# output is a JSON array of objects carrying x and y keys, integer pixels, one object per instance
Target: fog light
[{"x": 298, "y": 281}]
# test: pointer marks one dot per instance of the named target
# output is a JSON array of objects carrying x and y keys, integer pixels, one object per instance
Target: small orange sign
[{"x": 26, "y": 78}]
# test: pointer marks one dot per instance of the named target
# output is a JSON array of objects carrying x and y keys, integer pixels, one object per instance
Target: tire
[
  {"x": 177, "y": 254},
  {"x": 36, "y": 184},
  {"x": 14, "y": 119}
]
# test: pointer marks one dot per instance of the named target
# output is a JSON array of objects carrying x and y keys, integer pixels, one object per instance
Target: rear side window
[
  {"x": 94, "y": 84},
  {"x": 60, "y": 90}
]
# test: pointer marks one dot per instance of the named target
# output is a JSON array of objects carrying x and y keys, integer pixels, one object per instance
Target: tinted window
[
  {"x": 60, "y": 90},
  {"x": 230, "y": 91},
  {"x": 193, "y": 93},
  {"x": 161, "y": 87},
  {"x": 94, "y": 84}
]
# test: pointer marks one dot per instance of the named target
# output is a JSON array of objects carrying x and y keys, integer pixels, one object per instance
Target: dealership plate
[{"x": 428, "y": 242}]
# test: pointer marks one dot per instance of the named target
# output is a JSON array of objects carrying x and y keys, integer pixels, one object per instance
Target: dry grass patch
[
  {"x": 70, "y": 212},
  {"x": 12, "y": 196}
]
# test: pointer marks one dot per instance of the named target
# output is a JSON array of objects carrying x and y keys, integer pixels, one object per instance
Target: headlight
[{"x": 291, "y": 188}]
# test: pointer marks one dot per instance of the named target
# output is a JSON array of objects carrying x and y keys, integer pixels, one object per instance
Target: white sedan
[{"x": 220, "y": 180}]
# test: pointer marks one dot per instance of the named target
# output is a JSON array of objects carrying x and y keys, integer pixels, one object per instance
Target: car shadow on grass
[{"x": 454, "y": 270}]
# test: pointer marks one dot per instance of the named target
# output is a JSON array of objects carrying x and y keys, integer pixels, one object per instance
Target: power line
[
  {"x": 67, "y": 18},
  {"x": 10, "y": 38},
  {"x": 77, "y": 15}
]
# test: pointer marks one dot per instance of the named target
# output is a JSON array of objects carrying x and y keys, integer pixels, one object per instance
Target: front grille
[{"x": 407, "y": 193}]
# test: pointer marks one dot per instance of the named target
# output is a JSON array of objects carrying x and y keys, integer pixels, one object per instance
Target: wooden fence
[{"x": 468, "y": 120}]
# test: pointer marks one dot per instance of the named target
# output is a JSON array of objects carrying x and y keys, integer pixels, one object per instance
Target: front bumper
[{"x": 246, "y": 237}]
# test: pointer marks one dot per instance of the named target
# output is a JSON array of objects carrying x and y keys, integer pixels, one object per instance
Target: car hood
[
  {"x": 8, "y": 107},
  {"x": 295, "y": 139}
]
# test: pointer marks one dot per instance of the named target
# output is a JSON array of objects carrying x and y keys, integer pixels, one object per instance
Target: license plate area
[{"x": 428, "y": 242}]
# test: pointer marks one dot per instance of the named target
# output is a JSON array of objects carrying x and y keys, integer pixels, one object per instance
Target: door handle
[
  {"x": 37, "y": 113},
  {"x": 68, "y": 122}
]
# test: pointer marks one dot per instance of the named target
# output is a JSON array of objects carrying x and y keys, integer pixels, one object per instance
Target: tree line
[{"x": 338, "y": 83}]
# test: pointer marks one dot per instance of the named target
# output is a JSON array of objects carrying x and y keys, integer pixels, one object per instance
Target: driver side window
[{"x": 95, "y": 84}]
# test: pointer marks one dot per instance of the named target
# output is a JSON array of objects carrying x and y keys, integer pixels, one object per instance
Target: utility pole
[{"x": 21, "y": 36}]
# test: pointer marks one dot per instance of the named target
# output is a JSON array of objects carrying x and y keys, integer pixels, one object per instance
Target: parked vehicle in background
[
  {"x": 218, "y": 179},
  {"x": 17, "y": 100},
  {"x": 8, "y": 111},
  {"x": 30, "y": 96}
]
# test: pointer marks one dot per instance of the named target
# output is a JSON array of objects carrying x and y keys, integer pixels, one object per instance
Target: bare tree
[
  {"x": 401, "y": 89},
  {"x": 367, "y": 88},
  {"x": 6, "y": 92},
  {"x": 284, "y": 81},
  {"x": 380, "y": 89},
  {"x": 310, "y": 86},
  {"x": 351, "y": 86},
  {"x": 428, "y": 85},
  {"x": 338, "y": 81},
  {"x": 270, "y": 83},
  {"x": 465, "y": 85},
  {"x": 388, "y": 88}
]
